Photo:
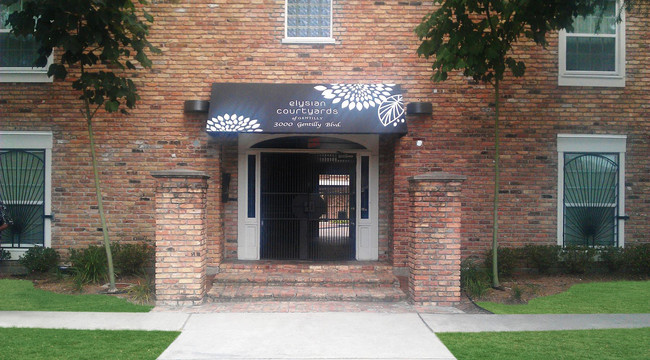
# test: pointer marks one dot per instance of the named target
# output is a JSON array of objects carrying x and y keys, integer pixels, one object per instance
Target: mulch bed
[{"x": 523, "y": 287}]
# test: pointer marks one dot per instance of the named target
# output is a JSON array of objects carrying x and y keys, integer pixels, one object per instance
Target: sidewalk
[
  {"x": 314, "y": 335},
  {"x": 533, "y": 322}
]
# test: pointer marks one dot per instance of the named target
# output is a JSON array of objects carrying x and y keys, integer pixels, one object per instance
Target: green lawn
[
  {"x": 583, "y": 344},
  {"x": 20, "y": 343},
  {"x": 618, "y": 297},
  {"x": 20, "y": 295}
]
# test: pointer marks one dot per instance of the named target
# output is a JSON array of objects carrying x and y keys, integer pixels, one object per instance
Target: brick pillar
[
  {"x": 181, "y": 251},
  {"x": 434, "y": 247}
]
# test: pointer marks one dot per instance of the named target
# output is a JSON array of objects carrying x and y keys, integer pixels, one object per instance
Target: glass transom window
[{"x": 308, "y": 21}]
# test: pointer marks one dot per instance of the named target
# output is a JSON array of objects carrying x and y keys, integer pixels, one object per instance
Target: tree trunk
[
  {"x": 495, "y": 214},
  {"x": 100, "y": 205}
]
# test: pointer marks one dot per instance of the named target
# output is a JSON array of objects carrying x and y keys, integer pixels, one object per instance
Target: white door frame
[{"x": 248, "y": 228}]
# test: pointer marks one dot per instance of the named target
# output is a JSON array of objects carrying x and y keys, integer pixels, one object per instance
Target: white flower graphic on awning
[
  {"x": 232, "y": 123},
  {"x": 356, "y": 96}
]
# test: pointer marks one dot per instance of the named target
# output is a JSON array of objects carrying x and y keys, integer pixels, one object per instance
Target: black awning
[{"x": 306, "y": 108}]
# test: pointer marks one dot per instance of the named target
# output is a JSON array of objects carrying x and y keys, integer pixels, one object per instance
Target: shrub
[
  {"x": 612, "y": 257},
  {"x": 4, "y": 255},
  {"x": 506, "y": 263},
  {"x": 473, "y": 278},
  {"x": 143, "y": 292},
  {"x": 39, "y": 259},
  {"x": 130, "y": 259},
  {"x": 517, "y": 294},
  {"x": 637, "y": 259},
  {"x": 541, "y": 257},
  {"x": 577, "y": 259},
  {"x": 89, "y": 264}
]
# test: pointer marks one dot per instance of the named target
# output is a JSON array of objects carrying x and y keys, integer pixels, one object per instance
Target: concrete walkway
[{"x": 313, "y": 335}]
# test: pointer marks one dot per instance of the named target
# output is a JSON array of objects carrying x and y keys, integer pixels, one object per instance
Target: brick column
[
  {"x": 434, "y": 247},
  {"x": 181, "y": 251}
]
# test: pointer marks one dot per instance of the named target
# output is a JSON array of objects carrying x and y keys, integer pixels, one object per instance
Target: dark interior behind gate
[{"x": 308, "y": 206}]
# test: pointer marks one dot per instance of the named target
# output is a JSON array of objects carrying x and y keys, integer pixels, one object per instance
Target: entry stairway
[{"x": 284, "y": 281}]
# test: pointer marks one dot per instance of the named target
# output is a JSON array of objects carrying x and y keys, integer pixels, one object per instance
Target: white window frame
[
  {"x": 614, "y": 78},
  {"x": 307, "y": 40},
  {"x": 34, "y": 140},
  {"x": 587, "y": 143},
  {"x": 25, "y": 74}
]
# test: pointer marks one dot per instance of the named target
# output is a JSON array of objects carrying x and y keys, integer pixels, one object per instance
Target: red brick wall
[{"x": 239, "y": 41}]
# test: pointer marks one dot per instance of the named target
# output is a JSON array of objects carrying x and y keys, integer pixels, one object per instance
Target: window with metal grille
[
  {"x": 591, "y": 191},
  {"x": 22, "y": 190},
  {"x": 590, "y": 199},
  {"x": 308, "y": 21}
]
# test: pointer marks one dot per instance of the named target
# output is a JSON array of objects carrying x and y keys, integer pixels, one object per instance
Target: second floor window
[
  {"x": 308, "y": 21},
  {"x": 593, "y": 52},
  {"x": 17, "y": 54}
]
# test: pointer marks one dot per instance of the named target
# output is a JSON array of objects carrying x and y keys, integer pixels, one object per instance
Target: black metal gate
[{"x": 308, "y": 206}]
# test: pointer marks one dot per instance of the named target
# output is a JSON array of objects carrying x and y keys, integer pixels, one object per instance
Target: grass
[
  {"x": 20, "y": 295},
  {"x": 577, "y": 344},
  {"x": 617, "y": 297},
  {"x": 20, "y": 343}
]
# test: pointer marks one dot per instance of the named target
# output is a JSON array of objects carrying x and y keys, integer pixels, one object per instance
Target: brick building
[{"x": 217, "y": 130}]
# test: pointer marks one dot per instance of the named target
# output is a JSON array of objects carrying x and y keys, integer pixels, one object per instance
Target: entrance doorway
[
  {"x": 308, "y": 206},
  {"x": 309, "y": 198}
]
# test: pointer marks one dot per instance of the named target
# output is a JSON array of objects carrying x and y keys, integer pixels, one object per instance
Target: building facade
[{"x": 255, "y": 98}]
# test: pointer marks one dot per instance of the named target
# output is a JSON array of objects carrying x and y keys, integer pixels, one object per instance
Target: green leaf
[
  {"x": 58, "y": 71},
  {"x": 147, "y": 16},
  {"x": 112, "y": 106}
]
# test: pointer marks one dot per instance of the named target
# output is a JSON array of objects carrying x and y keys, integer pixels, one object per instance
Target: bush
[
  {"x": 39, "y": 259},
  {"x": 4, "y": 255},
  {"x": 506, "y": 263},
  {"x": 577, "y": 259},
  {"x": 541, "y": 257},
  {"x": 612, "y": 258},
  {"x": 637, "y": 259},
  {"x": 473, "y": 278},
  {"x": 89, "y": 264},
  {"x": 143, "y": 292},
  {"x": 130, "y": 259}
]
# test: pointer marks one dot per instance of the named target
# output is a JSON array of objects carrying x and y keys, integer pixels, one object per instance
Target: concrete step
[{"x": 250, "y": 292}]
